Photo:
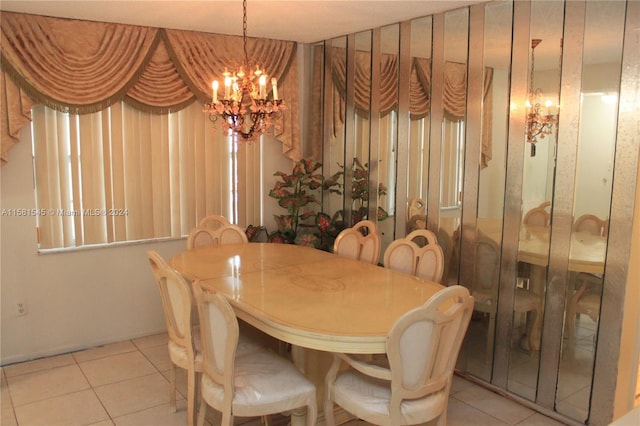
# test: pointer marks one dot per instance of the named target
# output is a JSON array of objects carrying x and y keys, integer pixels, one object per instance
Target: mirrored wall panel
[
  {"x": 491, "y": 165},
  {"x": 601, "y": 71},
  {"x": 539, "y": 164},
  {"x": 419, "y": 124},
  {"x": 454, "y": 101}
]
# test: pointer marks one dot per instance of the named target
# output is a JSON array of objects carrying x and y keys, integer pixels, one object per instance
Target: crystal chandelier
[
  {"x": 540, "y": 116},
  {"x": 242, "y": 104}
]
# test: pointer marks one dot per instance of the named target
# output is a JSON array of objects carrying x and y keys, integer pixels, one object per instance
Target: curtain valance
[
  {"x": 82, "y": 67},
  {"x": 454, "y": 90}
]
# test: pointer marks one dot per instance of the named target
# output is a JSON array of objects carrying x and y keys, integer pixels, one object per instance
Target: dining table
[{"x": 318, "y": 302}]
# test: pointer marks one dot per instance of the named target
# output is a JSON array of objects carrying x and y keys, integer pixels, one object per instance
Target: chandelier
[
  {"x": 242, "y": 104},
  {"x": 540, "y": 113}
]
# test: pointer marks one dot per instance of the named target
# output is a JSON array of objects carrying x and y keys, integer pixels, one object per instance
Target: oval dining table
[{"x": 317, "y": 301}]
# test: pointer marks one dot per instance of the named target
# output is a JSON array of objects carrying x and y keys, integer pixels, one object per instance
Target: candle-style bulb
[
  {"x": 274, "y": 87},
  {"x": 215, "y": 85}
]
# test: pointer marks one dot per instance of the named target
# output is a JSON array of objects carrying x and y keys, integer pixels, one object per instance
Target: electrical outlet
[{"x": 21, "y": 309}]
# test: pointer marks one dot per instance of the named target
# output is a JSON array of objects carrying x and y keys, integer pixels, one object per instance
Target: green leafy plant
[
  {"x": 360, "y": 193},
  {"x": 295, "y": 191}
]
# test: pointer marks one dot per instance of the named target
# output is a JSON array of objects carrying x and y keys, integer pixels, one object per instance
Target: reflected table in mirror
[{"x": 316, "y": 301}]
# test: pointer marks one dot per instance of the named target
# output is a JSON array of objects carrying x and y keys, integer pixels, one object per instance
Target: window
[{"x": 124, "y": 175}]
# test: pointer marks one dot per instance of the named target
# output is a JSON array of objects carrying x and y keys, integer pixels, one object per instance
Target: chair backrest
[
  {"x": 231, "y": 234},
  {"x": 447, "y": 245},
  {"x": 225, "y": 234},
  {"x": 538, "y": 216},
  {"x": 430, "y": 263},
  {"x": 422, "y": 237},
  {"x": 361, "y": 242},
  {"x": 415, "y": 207},
  {"x": 423, "y": 346},
  {"x": 591, "y": 224},
  {"x": 486, "y": 267},
  {"x": 201, "y": 237},
  {"x": 156, "y": 262},
  {"x": 176, "y": 303},
  {"x": 213, "y": 221},
  {"x": 219, "y": 333},
  {"x": 406, "y": 256}
]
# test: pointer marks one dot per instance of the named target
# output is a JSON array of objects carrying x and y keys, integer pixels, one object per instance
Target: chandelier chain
[{"x": 244, "y": 31}]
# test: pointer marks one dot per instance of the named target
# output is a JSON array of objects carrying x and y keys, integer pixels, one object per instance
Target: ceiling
[{"x": 304, "y": 21}]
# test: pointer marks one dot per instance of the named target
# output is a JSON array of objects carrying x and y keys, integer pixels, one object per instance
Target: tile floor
[{"x": 126, "y": 383}]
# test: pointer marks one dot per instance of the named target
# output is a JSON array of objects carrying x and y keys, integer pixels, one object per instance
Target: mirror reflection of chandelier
[
  {"x": 242, "y": 103},
  {"x": 540, "y": 113}
]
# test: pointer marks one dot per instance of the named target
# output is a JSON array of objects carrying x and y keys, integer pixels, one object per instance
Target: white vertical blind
[{"x": 124, "y": 175}]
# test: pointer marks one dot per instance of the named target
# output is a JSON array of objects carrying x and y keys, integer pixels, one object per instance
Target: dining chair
[
  {"x": 591, "y": 224},
  {"x": 254, "y": 384},
  {"x": 225, "y": 234},
  {"x": 406, "y": 256},
  {"x": 416, "y": 218},
  {"x": 361, "y": 242},
  {"x": 486, "y": 280},
  {"x": 535, "y": 220},
  {"x": 585, "y": 300},
  {"x": 538, "y": 216},
  {"x": 201, "y": 237},
  {"x": 422, "y": 348},
  {"x": 422, "y": 237},
  {"x": 184, "y": 341},
  {"x": 213, "y": 221},
  {"x": 448, "y": 249}
]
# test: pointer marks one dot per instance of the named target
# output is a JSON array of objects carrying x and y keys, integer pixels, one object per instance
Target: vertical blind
[{"x": 125, "y": 175}]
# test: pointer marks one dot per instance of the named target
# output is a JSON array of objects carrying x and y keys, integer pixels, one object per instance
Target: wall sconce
[{"x": 541, "y": 115}]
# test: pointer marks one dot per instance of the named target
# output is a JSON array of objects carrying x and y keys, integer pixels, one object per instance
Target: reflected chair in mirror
[
  {"x": 538, "y": 216},
  {"x": 225, "y": 234},
  {"x": 253, "y": 384},
  {"x": 415, "y": 206},
  {"x": 184, "y": 341},
  {"x": 422, "y": 237},
  {"x": 591, "y": 224},
  {"x": 406, "y": 256},
  {"x": 486, "y": 281},
  {"x": 585, "y": 300},
  {"x": 361, "y": 242},
  {"x": 447, "y": 245},
  {"x": 213, "y": 221},
  {"x": 422, "y": 348},
  {"x": 416, "y": 218},
  {"x": 535, "y": 220}
]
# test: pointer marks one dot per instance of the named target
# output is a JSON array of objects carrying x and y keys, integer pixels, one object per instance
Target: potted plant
[{"x": 296, "y": 192}]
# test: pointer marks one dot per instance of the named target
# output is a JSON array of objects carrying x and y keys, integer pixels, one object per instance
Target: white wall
[{"x": 74, "y": 299}]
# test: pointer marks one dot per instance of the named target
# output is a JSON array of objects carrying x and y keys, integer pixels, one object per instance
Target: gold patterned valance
[
  {"x": 454, "y": 90},
  {"x": 83, "y": 67}
]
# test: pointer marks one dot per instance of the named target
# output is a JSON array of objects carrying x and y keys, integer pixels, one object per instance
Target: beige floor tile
[
  {"x": 103, "y": 423},
  {"x": 105, "y": 351},
  {"x": 160, "y": 415},
  {"x": 538, "y": 419},
  {"x": 116, "y": 368},
  {"x": 38, "y": 365},
  {"x": 461, "y": 414},
  {"x": 134, "y": 395},
  {"x": 75, "y": 408},
  {"x": 459, "y": 384},
  {"x": 153, "y": 340},
  {"x": 489, "y": 402},
  {"x": 31, "y": 387},
  {"x": 158, "y": 355},
  {"x": 8, "y": 417}
]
